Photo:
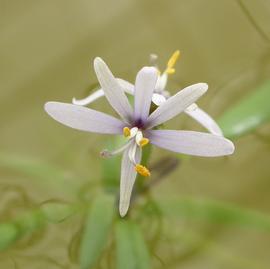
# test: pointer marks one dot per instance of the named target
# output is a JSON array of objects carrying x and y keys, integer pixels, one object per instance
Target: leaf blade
[
  {"x": 131, "y": 250},
  {"x": 249, "y": 113},
  {"x": 96, "y": 231}
]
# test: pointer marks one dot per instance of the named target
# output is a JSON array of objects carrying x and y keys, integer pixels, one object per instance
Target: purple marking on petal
[
  {"x": 84, "y": 119},
  {"x": 190, "y": 142}
]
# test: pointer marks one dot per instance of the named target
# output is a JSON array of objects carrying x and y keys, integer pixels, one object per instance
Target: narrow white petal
[
  {"x": 113, "y": 91},
  {"x": 192, "y": 107},
  {"x": 158, "y": 99},
  {"x": 89, "y": 99},
  {"x": 126, "y": 86},
  {"x": 205, "y": 120},
  {"x": 176, "y": 104},
  {"x": 144, "y": 87},
  {"x": 84, "y": 119},
  {"x": 192, "y": 143},
  {"x": 161, "y": 83},
  {"x": 128, "y": 176}
]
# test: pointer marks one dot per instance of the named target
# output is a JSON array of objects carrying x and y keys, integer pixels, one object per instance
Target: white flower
[
  {"x": 138, "y": 126},
  {"x": 161, "y": 94}
]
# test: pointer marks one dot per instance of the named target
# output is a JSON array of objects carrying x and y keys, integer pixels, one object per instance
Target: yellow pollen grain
[
  {"x": 126, "y": 132},
  {"x": 142, "y": 170},
  {"x": 144, "y": 141},
  {"x": 173, "y": 59}
]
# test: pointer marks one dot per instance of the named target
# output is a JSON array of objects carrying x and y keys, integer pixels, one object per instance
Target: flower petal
[
  {"x": 176, "y": 104},
  {"x": 158, "y": 99},
  {"x": 113, "y": 91},
  {"x": 205, "y": 120},
  {"x": 89, "y": 99},
  {"x": 127, "y": 87},
  {"x": 144, "y": 87},
  {"x": 161, "y": 83},
  {"x": 128, "y": 176},
  {"x": 192, "y": 143},
  {"x": 84, "y": 119}
]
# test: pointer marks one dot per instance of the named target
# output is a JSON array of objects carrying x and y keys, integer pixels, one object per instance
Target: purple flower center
[{"x": 139, "y": 123}]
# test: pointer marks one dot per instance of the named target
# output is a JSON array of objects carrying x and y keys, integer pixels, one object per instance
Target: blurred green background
[{"x": 47, "y": 49}]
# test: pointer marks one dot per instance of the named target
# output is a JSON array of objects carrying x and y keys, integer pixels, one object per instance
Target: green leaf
[
  {"x": 56, "y": 211},
  {"x": 96, "y": 230},
  {"x": 8, "y": 234},
  {"x": 131, "y": 249},
  {"x": 39, "y": 170},
  {"x": 213, "y": 211},
  {"x": 248, "y": 114},
  {"x": 19, "y": 227}
]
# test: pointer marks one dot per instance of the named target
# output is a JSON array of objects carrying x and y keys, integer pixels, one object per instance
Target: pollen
[
  {"x": 171, "y": 63},
  {"x": 142, "y": 170},
  {"x": 126, "y": 132},
  {"x": 144, "y": 141}
]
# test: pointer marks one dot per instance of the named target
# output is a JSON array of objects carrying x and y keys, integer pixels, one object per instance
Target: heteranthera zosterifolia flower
[
  {"x": 161, "y": 94},
  {"x": 138, "y": 126}
]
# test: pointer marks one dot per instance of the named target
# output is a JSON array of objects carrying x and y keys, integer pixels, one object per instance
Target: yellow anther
[
  {"x": 173, "y": 59},
  {"x": 126, "y": 132},
  {"x": 170, "y": 71},
  {"x": 144, "y": 141},
  {"x": 142, "y": 170}
]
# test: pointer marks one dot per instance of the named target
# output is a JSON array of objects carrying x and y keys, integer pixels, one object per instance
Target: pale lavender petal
[
  {"x": 127, "y": 87},
  {"x": 158, "y": 99},
  {"x": 205, "y": 120},
  {"x": 161, "y": 83},
  {"x": 128, "y": 176},
  {"x": 144, "y": 87},
  {"x": 84, "y": 119},
  {"x": 192, "y": 143},
  {"x": 176, "y": 104},
  {"x": 113, "y": 91},
  {"x": 89, "y": 99}
]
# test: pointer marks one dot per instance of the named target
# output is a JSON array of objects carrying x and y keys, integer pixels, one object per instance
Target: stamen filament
[{"x": 107, "y": 154}]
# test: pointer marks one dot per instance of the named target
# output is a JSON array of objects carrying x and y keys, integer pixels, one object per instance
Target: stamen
[
  {"x": 132, "y": 153},
  {"x": 107, "y": 154},
  {"x": 142, "y": 170},
  {"x": 173, "y": 59},
  {"x": 144, "y": 141},
  {"x": 171, "y": 63},
  {"x": 139, "y": 137},
  {"x": 126, "y": 132},
  {"x": 153, "y": 59},
  {"x": 170, "y": 71}
]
